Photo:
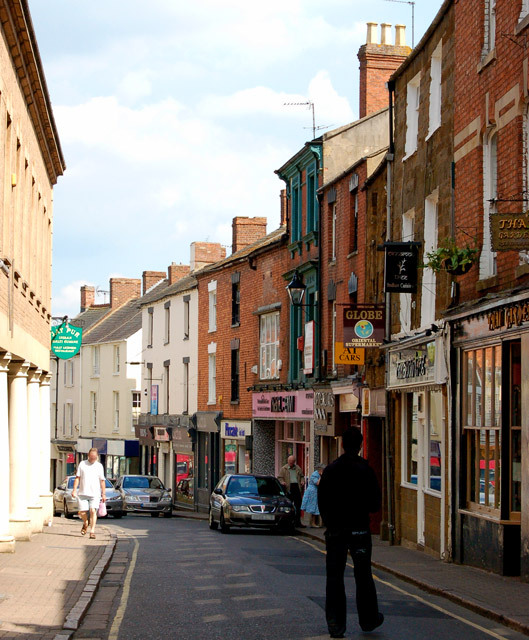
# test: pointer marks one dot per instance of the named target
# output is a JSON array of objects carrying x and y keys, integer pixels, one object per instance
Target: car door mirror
[{"x": 218, "y": 492}]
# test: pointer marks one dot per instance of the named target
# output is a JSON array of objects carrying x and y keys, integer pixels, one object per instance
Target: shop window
[
  {"x": 482, "y": 384},
  {"x": 288, "y": 431},
  {"x": 269, "y": 346},
  {"x": 203, "y": 446},
  {"x": 230, "y": 456},
  {"x": 515, "y": 427},
  {"x": 435, "y": 431},
  {"x": 411, "y": 438},
  {"x": 185, "y": 478}
]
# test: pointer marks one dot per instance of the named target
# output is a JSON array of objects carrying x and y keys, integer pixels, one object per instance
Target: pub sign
[{"x": 400, "y": 269}]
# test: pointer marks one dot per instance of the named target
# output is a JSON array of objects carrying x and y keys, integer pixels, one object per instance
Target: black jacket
[{"x": 348, "y": 492}]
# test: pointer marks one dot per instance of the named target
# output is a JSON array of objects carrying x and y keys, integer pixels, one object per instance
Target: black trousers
[
  {"x": 295, "y": 495},
  {"x": 359, "y": 546}
]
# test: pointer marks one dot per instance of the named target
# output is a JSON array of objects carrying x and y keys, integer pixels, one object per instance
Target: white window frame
[
  {"x": 524, "y": 11},
  {"x": 269, "y": 325},
  {"x": 408, "y": 235},
  {"x": 429, "y": 279},
  {"x": 436, "y": 66},
  {"x": 186, "y": 319},
  {"x": 185, "y": 388},
  {"x": 487, "y": 259},
  {"x": 333, "y": 231},
  {"x": 117, "y": 363},
  {"x": 115, "y": 411},
  {"x": 167, "y": 325},
  {"x": 489, "y": 31},
  {"x": 136, "y": 407},
  {"x": 96, "y": 360},
  {"x": 68, "y": 373},
  {"x": 212, "y": 378},
  {"x": 150, "y": 326},
  {"x": 93, "y": 411},
  {"x": 212, "y": 291},
  {"x": 413, "y": 99}
]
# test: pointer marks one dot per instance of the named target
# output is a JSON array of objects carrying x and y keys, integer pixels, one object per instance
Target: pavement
[{"x": 48, "y": 584}]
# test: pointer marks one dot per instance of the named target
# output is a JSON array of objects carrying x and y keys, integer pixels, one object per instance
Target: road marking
[
  {"x": 418, "y": 598},
  {"x": 237, "y": 575},
  {"x": 209, "y": 587},
  {"x": 264, "y": 613},
  {"x": 120, "y": 614},
  {"x": 240, "y": 585},
  {"x": 250, "y": 597},
  {"x": 210, "y": 601},
  {"x": 218, "y": 618}
]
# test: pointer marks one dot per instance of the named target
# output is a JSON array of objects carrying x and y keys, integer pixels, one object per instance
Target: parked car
[
  {"x": 64, "y": 503},
  {"x": 247, "y": 500},
  {"x": 145, "y": 494}
]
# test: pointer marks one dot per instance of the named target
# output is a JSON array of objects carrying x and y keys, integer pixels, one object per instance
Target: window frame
[
  {"x": 436, "y": 72},
  {"x": 115, "y": 411},
  {"x": 96, "y": 361},
  {"x": 212, "y": 306},
  {"x": 429, "y": 277},
  {"x": 117, "y": 363},
  {"x": 235, "y": 377},
  {"x": 267, "y": 349},
  {"x": 488, "y": 257},
  {"x": 212, "y": 378},
  {"x": 93, "y": 410},
  {"x": 413, "y": 101},
  {"x": 295, "y": 208}
]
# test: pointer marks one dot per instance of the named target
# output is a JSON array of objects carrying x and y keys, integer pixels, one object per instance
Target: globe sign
[{"x": 364, "y": 329}]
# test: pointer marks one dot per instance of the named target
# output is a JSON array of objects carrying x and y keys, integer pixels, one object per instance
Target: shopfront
[
  {"x": 184, "y": 465},
  {"x": 291, "y": 414},
  {"x": 208, "y": 455},
  {"x": 235, "y": 437},
  {"x": 417, "y": 377},
  {"x": 491, "y": 526},
  {"x": 327, "y": 428}
]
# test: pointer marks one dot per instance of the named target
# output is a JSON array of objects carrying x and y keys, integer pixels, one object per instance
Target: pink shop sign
[{"x": 284, "y": 405}]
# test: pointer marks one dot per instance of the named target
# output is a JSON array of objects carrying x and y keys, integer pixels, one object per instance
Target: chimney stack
[
  {"x": 246, "y": 231},
  {"x": 204, "y": 253},
  {"x": 88, "y": 295},
  {"x": 177, "y": 272},
  {"x": 122, "y": 290},
  {"x": 377, "y": 63},
  {"x": 150, "y": 278}
]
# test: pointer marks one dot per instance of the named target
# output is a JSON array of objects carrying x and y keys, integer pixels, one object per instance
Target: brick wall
[
  {"x": 204, "y": 253},
  {"x": 122, "y": 290},
  {"x": 151, "y": 278},
  {"x": 177, "y": 272},
  {"x": 247, "y": 231},
  {"x": 87, "y": 297}
]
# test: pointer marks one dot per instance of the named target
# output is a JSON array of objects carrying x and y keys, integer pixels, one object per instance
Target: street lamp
[{"x": 296, "y": 289}]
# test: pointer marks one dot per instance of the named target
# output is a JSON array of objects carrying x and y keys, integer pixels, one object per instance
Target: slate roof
[
  {"x": 184, "y": 284},
  {"x": 87, "y": 319}
]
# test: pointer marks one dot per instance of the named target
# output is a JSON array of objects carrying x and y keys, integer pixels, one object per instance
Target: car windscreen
[
  {"x": 70, "y": 482},
  {"x": 142, "y": 483},
  {"x": 250, "y": 486},
  {"x": 108, "y": 484}
]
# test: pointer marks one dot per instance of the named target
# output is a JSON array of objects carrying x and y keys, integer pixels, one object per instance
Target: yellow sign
[{"x": 348, "y": 355}]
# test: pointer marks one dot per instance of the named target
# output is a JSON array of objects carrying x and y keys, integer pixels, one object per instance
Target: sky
[{"x": 172, "y": 119}]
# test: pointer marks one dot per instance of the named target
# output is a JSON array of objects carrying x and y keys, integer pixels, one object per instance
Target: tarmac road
[{"x": 178, "y": 579}]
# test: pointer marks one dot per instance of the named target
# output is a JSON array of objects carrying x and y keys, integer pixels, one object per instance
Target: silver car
[
  {"x": 145, "y": 494},
  {"x": 64, "y": 503}
]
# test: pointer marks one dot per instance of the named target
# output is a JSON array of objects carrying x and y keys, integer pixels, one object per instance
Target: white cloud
[{"x": 135, "y": 85}]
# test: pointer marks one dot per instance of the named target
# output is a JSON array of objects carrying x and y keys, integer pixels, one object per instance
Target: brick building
[
  {"x": 31, "y": 162},
  {"x": 490, "y": 518},
  {"x": 241, "y": 314}
]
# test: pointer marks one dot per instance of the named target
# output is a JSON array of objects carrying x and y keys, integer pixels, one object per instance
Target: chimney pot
[
  {"x": 372, "y": 32},
  {"x": 385, "y": 29},
  {"x": 400, "y": 35}
]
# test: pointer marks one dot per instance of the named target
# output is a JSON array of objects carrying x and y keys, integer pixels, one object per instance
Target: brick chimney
[
  {"x": 151, "y": 278},
  {"x": 88, "y": 296},
  {"x": 203, "y": 253},
  {"x": 377, "y": 64},
  {"x": 284, "y": 208},
  {"x": 247, "y": 231},
  {"x": 177, "y": 272},
  {"x": 122, "y": 290}
]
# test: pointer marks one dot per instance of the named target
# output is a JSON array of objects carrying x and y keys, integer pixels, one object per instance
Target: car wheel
[
  {"x": 223, "y": 526},
  {"x": 154, "y": 515},
  {"x": 118, "y": 514},
  {"x": 67, "y": 513},
  {"x": 212, "y": 524},
  {"x": 168, "y": 514},
  {"x": 56, "y": 512}
]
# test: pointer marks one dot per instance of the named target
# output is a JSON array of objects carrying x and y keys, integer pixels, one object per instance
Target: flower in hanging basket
[{"x": 451, "y": 258}]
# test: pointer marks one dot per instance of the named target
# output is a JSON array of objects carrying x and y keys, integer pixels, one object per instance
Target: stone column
[
  {"x": 45, "y": 494},
  {"x": 7, "y": 541},
  {"x": 19, "y": 522},
  {"x": 33, "y": 458}
]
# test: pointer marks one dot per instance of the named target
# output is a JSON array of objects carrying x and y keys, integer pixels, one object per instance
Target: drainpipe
[{"x": 387, "y": 429}]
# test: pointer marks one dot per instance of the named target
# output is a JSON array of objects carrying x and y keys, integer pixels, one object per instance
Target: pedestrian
[
  {"x": 90, "y": 478},
  {"x": 292, "y": 478},
  {"x": 309, "y": 503},
  {"x": 348, "y": 492}
]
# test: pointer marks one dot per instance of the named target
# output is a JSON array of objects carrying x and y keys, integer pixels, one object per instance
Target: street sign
[
  {"x": 363, "y": 326},
  {"x": 66, "y": 340},
  {"x": 347, "y": 355}
]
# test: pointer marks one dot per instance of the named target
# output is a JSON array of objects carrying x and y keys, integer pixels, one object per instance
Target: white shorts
[{"x": 88, "y": 502}]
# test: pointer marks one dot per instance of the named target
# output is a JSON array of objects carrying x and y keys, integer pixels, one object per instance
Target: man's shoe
[
  {"x": 377, "y": 622},
  {"x": 337, "y": 633}
]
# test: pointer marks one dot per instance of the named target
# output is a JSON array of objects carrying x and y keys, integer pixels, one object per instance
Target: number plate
[{"x": 263, "y": 516}]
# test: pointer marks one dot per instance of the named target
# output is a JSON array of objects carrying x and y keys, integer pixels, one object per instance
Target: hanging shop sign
[
  {"x": 154, "y": 399},
  {"x": 412, "y": 367},
  {"x": 308, "y": 349},
  {"x": 283, "y": 405},
  {"x": 66, "y": 340},
  {"x": 509, "y": 231},
  {"x": 348, "y": 355},
  {"x": 400, "y": 269},
  {"x": 363, "y": 326}
]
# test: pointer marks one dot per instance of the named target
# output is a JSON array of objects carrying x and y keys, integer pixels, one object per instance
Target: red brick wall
[
  {"x": 122, "y": 290},
  {"x": 150, "y": 278},
  {"x": 87, "y": 297},
  {"x": 177, "y": 272},
  {"x": 247, "y": 231}
]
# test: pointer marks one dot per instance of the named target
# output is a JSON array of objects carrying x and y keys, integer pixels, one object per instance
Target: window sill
[
  {"x": 211, "y": 403},
  {"x": 409, "y": 155},
  {"x": 235, "y": 325},
  {"x": 95, "y": 375},
  {"x": 332, "y": 263},
  {"x": 408, "y": 485},
  {"x": 521, "y": 270},
  {"x": 185, "y": 338},
  {"x": 311, "y": 238},
  {"x": 149, "y": 346},
  {"x": 521, "y": 25},
  {"x": 490, "y": 514},
  {"x": 295, "y": 247},
  {"x": 352, "y": 254},
  {"x": 433, "y": 493},
  {"x": 430, "y": 135},
  {"x": 116, "y": 373},
  {"x": 487, "y": 283},
  {"x": 235, "y": 402},
  {"x": 166, "y": 343},
  {"x": 212, "y": 330},
  {"x": 484, "y": 62}
]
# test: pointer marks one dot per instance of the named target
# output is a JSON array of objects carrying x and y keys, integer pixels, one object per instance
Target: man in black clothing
[{"x": 348, "y": 492}]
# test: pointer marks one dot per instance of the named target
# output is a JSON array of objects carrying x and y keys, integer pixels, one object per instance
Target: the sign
[
  {"x": 283, "y": 405},
  {"x": 66, "y": 340},
  {"x": 348, "y": 402},
  {"x": 235, "y": 430},
  {"x": 366, "y": 402},
  {"x": 324, "y": 403},
  {"x": 160, "y": 434},
  {"x": 400, "y": 268},
  {"x": 363, "y": 326},
  {"x": 412, "y": 367},
  {"x": 348, "y": 355},
  {"x": 154, "y": 399},
  {"x": 509, "y": 231},
  {"x": 308, "y": 349},
  {"x": 513, "y": 315}
]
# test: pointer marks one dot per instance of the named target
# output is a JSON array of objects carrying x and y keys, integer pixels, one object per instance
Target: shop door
[{"x": 421, "y": 464}]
